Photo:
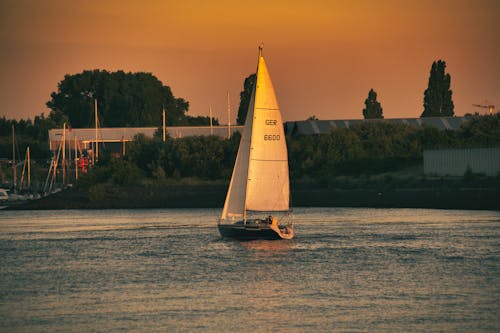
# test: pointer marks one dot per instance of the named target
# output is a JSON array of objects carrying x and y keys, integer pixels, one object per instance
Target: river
[{"x": 168, "y": 270}]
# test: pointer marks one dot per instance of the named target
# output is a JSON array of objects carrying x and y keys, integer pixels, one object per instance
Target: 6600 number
[{"x": 271, "y": 137}]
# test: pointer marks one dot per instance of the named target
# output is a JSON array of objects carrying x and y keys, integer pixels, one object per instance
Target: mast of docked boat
[
  {"x": 63, "y": 162},
  {"x": 27, "y": 169},
  {"x": 29, "y": 166},
  {"x": 76, "y": 158},
  {"x": 96, "y": 125},
  {"x": 14, "y": 169}
]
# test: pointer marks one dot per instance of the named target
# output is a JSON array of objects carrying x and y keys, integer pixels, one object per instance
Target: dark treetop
[{"x": 437, "y": 96}]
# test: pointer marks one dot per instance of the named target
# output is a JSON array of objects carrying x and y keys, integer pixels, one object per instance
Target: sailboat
[{"x": 259, "y": 187}]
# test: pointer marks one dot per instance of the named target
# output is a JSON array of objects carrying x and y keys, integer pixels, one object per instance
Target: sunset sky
[{"x": 323, "y": 56}]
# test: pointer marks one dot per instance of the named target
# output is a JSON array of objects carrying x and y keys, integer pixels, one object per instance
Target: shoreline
[{"x": 213, "y": 196}]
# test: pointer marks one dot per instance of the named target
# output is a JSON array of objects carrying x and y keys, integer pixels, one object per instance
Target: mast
[
  {"x": 14, "y": 171},
  {"x": 123, "y": 146},
  {"x": 76, "y": 160},
  {"x": 63, "y": 163},
  {"x": 96, "y": 124},
  {"x": 164, "y": 126},
  {"x": 228, "y": 117},
  {"x": 69, "y": 149},
  {"x": 48, "y": 176},
  {"x": 211, "y": 128},
  {"x": 22, "y": 173},
  {"x": 54, "y": 170},
  {"x": 29, "y": 167},
  {"x": 254, "y": 95}
]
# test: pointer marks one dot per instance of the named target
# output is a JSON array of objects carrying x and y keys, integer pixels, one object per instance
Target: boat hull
[{"x": 252, "y": 231}]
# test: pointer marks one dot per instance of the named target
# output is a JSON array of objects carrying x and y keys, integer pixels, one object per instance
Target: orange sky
[{"x": 323, "y": 56}]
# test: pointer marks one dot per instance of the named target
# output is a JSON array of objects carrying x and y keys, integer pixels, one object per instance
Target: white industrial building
[
  {"x": 84, "y": 138},
  {"x": 455, "y": 162},
  {"x": 443, "y": 162}
]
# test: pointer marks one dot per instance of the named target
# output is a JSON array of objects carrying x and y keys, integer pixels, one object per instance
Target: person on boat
[{"x": 269, "y": 219}]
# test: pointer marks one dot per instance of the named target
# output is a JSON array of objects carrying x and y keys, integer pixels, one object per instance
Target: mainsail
[{"x": 260, "y": 179}]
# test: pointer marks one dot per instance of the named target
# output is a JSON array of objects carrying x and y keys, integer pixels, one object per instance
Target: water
[{"x": 347, "y": 270}]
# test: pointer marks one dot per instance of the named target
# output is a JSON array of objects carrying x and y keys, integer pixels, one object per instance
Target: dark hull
[{"x": 248, "y": 231}]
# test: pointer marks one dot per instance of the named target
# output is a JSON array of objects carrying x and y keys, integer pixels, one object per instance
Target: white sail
[
  {"x": 260, "y": 179},
  {"x": 235, "y": 199}
]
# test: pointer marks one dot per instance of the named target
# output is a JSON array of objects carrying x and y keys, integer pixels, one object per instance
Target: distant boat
[{"x": 259, "y": 186}]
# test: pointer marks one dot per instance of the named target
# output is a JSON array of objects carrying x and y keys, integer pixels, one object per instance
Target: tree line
[
  {"x": 365, "y": 148},
  {"x": 136, "y": 99}
]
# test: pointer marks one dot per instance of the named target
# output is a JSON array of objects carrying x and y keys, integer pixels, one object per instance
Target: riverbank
[{"x": 213, "y": 196}]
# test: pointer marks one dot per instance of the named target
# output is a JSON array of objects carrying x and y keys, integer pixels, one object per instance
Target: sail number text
[{"x": 271, "y": 137}]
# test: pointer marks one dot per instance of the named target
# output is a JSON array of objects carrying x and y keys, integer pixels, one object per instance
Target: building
[
  {"x": 309, "y": 127},
  {"x": 120, "y": 135},
  {"x": 115, "y": 139},
  {"x": 455, "y": 162}
]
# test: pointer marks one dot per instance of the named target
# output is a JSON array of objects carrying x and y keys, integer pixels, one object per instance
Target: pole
[
  {"x": 63, "y": 162},
  {"x": 76, "y": 160},
  {"x": 123, "y": 145},
  {"x": 211, "y": 127},
  {"x": 29, "y": 167},
  {"x": 164, "y": 126},
  {"x": 14, "y": 170},
  {"x": 228, "y": 117},
  {"x": 48, "y": 176},
  {"x": 54, "y": 169},
  {"x": 96, "y": 124},
  {"x": 22, "y": 173},
  {"x": 69, "y": 151}
]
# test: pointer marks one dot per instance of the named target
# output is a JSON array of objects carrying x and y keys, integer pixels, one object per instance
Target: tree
[
  {"x": 437, "y": 96},
  {"x": 245, "y": 97},
  {"x": 124, "y": 99},
  {"x": 373, "y": 109},
  {"x": 27, "y": 133}
]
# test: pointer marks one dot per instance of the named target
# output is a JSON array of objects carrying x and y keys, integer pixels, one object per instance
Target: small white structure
[{"x": 454, "y": 162}]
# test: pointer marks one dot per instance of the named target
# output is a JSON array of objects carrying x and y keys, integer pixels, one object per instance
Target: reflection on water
[
  {"x": 169, "y": 270},
  {"x": 268, "y": 247}
]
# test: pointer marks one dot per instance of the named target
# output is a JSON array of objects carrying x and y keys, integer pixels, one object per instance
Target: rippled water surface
[{"x": 347, "y": 270}]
